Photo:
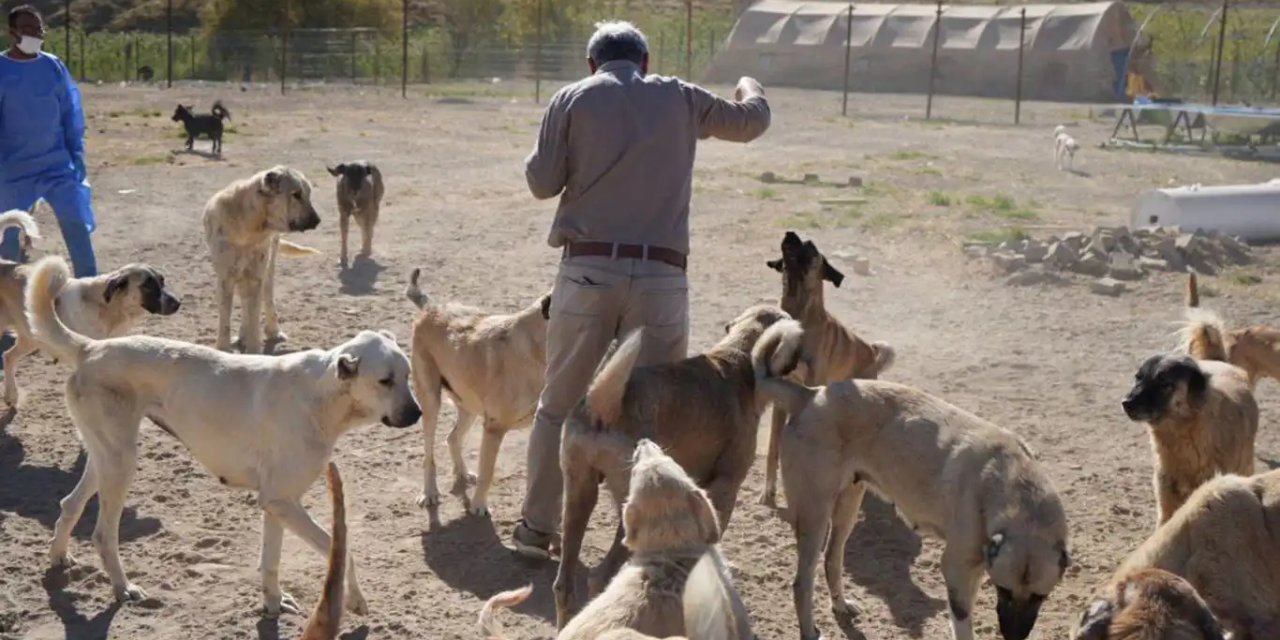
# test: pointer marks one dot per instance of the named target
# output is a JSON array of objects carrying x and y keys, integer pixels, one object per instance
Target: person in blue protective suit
[
  {"x": 42, "y": 141},
  {"x": 42, "y": 144}
]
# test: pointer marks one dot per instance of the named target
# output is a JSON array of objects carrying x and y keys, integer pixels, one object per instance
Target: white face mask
[{"x": 30, "y": 46}]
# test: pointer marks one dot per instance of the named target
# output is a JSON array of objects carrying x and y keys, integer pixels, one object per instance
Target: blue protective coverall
[{"x": 42, "y": 153}]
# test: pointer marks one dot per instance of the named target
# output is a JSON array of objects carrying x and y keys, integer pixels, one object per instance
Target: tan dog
[
  {"x": 325, "y": 620},
  {"x": 1202, "y": 419},
  {"x": 676, "y": 582},
  {"x": 242, "y": 226},
  {"x": 360, "y": 196},
  {"x": 831, "y": 351},
  {"x": 1225, "y": 541},
  {"x": 104, "y": 306},
  {"x": 950, "y": 473},
  {"x": 1255, "y": 349},
  {"x": 703, "y": 410},
  {"x": 492, "y": 366},
  {"x": 1148, "y": 604},
  {"x": 263, "y": 423}
]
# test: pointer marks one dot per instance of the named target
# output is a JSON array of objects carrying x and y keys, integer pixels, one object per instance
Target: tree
[
  {"x": 468, "y": 22},
  {"x": 266, "y": 14}
]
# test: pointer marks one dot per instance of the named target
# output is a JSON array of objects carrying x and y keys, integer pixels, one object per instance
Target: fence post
[
  {"x": 1022, "y": 44},
  {"x": 1275, "y": 72},
  {"x": 933, "y": 61},
  {"x": 1222, "y": 40},
  {"x": 377, "y": 60},
  {"x": 124, "y": 60},
  {"x": 404, "y": 50},
  {"x": 848, "y": 49},
  {"x": 537, "y": 57},
  {"x": 82, "y": 58},
  {"x": 688, "y": 41},
  {"x": 67, "y": 10},
  {"x": 353, "y": 57},
  {"x": 711, "y": 46},
  {"x": 168, "y": 36},
  {"x": 284, "y": 46},
  {"x": 191, "y": 73},
  {"x": 661, "y": 45},
  {"x": 426, "y": 58}
]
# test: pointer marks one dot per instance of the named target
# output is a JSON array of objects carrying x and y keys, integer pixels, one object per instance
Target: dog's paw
[
  {"x": 428, "y": 499},
  {"x": 62, "y": 561},
  {"x": 846, "y": 610},
  {"x": 461, "y": 482},
  {"x": 356, "y": 603},
  {"x": 479, "y": 510},
  {"x": 130, "y": 593},
  {"x": 769, "y": 498},
  {"x": 286, "y": 604}
]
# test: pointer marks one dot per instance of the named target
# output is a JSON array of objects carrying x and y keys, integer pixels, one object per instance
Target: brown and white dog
[
  {"x": 704, "y": 411},
  {"x": 1202, "y": 419},
  {"x": 1254, "y": 349},
  {"x": 493, "y": 366},
  {"x": 242, "y": 225},
  {"x": 676, "y": 583},
  {"x": 831, "y": 351},
  {"x": 360, "y": 196},
  {"x": 1225, "y": 542},
  {"x": 103, "y": 306},
  {"x": 1148, "y": 604}
]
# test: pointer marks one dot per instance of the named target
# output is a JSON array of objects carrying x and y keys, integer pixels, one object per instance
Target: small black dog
[{"x": 207, "y": 125}]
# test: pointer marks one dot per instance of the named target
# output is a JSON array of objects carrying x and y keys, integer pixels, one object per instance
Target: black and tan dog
[
  {"x": 1225, "y": 542},
  {"x": 208, "y": 125},
  {"x": 831, "y": 351},
  {"x": 704, "y": 411},
  {"x": 950, "y": 473},
  {"x": 1148, "y": 604},
  {"x": 360, "y": 196},
  {"x": 1202, "y": 419}
]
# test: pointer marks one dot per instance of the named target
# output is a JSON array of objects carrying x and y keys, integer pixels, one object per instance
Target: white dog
[
  {"x": 268, "y": 424},
  {"x": 1064, "y": 146}
]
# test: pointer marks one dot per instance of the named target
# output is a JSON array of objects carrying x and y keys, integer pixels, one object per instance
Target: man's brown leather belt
[{"x": 617, "y": 250}]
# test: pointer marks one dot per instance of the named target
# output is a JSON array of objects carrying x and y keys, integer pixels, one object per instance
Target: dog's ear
[
  {"x": 271, "y": 181},
  {"x": 1193, "y": 378},
  {"x": 545, "y": 304},
  {"x": 776, "y": 265},
  {"x": 992, "y": 548},
  {"x": 1096, "y": 621},
  {"x": 831, "y": 274},
  {"x": 348, "y": 366},
  {"x": 336, "y": 171},
  {"x": 114, "y": 286},
  {"x": 708, "y": 525},
  {"x": 387, "y": 334}
]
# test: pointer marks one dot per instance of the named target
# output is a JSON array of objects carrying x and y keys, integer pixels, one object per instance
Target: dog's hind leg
[
  {"x": 115, "y": 465},
  {"x": 296, "y": 519},
  {"x": 251, "y": 295},
  {"x": 367, "y": 221},
  {"x": 72, "y": 508},
  {"x": 22, "y": 347},
  {"x": 845, "y": 516},
  {"x": 274, "y": 600},
  {"x": 461, "y": 427},
  {"x": 490, "y": 443},
  {"x": 272, "y": 321},
  {"x": 344, "y": 228},
  {"x": 811, "y": 524},
  {"x": 581, "y": 490},
  {"x": 769, "y": 497}
]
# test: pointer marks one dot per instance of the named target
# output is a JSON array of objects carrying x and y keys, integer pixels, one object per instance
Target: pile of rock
[{"x": 1112, "y": 254}]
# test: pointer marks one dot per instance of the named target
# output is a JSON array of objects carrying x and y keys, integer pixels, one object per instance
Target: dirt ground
[{"x": 1049, "y": 363}]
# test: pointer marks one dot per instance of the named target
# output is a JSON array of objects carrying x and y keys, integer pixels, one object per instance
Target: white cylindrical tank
[{"x": 1250, "y": 211}]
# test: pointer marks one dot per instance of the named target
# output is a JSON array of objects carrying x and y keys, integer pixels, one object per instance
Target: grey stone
[
  {"x": 1075, "y": 240},
  {"x": 1168, "y": 251},
  {"x": 1235, "y": 250},
  {"x": 1129, "y": 245},
  {"x": 855, "y": 181},
  {"x": 768, "y": 176},
  {"x": 1090, "y": 265},
  {"x": 1061, "y": 255},
  {"x": 1123, "y": 267},
  {"x": 1154, "y": 264},
  {"x": 1009, "y": 262},
  {"x": 1032, "y": 277},
  {"x": 1035, "y": 251},
  {"x": 975, "y": 251},
  {"x": 811, "y": 177},
  {"x": 1104, "y": 239},
  {"x": 1107, "y": 287}
]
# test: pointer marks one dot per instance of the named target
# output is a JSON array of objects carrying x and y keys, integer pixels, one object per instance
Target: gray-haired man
[{"x": 618, "y": 148}]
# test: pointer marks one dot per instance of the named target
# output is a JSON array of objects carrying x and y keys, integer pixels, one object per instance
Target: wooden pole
[
  {"x": 1022, "y": 45},
  {"x": 284, "y": 46},
  {"x": 168, "y": 34},
  {"x": 537, "y": 59},
  {"x": 67, "y": 9},
  {"x": 1275, "y": 72},
  {"x": 933, "y": 61},
  {"x": 688, "y": 42},
  {"x": 404, "y": 50},
  {"x": 82, "y": 57},
  {"x": 353, "y": 57},
  {"x": 848, "y": 49},
  {"x": 1222, "y": 40},
  {"x": 191, "y": 74}
]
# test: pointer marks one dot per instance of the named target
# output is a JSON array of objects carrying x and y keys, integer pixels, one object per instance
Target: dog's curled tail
[
  {"x": 324, "y": 621},
  {"x": 20, "y": 219},
  {"x": 490, "y": 629},
  {"x": 413, "y": 293},
  {"x": 220, "y": 112},
  {"x": 1202, "y": 336},
  {"x": 293, "y": 249},
  {"x": 608, "y": 388},
  {"x": 885, "y": 356},
  {"x": 48, "y": 277},
  {"x": 778, "y": 351}
]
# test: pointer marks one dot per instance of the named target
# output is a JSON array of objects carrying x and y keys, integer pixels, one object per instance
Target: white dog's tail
[
  {"x": 885, "y": 356},
  {"x": 48, "y": 277},
  {"x": 605, "y": 395},
  {"x": 324, "y": 621},
  {"x": 413, "y": 293},
  {"x": 20, "y": 219},
  {"x": 710, "y": 609},
  {"x": 490, "y": 629},
  {"x": 293, "y": 249},
  {"x": 777, "y": 352}
]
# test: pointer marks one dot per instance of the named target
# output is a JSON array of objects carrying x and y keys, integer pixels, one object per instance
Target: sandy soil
[{"x": 1049, "y": 363}]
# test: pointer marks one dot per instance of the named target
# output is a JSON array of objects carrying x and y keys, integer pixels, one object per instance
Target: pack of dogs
[{"x": 671, "y": 443}]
